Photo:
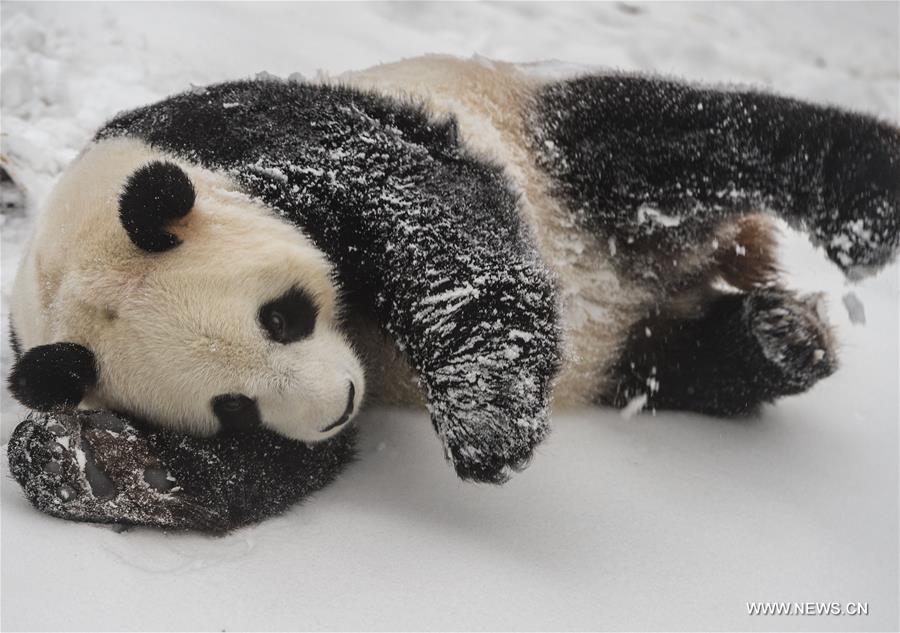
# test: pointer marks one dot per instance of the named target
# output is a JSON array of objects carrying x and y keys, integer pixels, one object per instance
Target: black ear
[
  {"x": 154, "y": 195},
  {"x": 49, "y": 376}
]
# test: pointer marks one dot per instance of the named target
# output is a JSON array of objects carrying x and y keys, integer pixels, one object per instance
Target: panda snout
[{"x": 348, "y": 410}]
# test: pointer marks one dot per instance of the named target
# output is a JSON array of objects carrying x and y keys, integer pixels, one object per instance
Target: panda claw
[{"x": 522, "y": 463}]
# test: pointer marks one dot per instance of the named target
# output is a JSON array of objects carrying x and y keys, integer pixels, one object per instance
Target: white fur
[{"x": 172, "y": 330}]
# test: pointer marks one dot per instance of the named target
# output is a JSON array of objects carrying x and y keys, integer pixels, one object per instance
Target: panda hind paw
[
  {"x": 94, "y": 467},
  {"x": 793, "y": 336}
]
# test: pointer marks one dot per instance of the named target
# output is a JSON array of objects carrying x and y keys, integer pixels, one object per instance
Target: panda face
[{"x": 203, "y": 310}]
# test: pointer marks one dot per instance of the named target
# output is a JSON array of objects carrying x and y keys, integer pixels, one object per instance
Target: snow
[
  {"x": 634, "y": 406},
  {"x": 646, "y": 213},
  {"x": 856, "y": 310},
  {"x": 668, "y": 521}
]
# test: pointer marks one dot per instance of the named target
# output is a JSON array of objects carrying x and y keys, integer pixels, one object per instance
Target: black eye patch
[
  {"x": 236, "y": 412},
  {"x": 289, "y": 318}
]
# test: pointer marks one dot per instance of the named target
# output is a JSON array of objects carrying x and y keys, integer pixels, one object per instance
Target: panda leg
[
  {"x": 745, "y": 349},
  {"x": 96, "y": 467},
  {"x": 649, "y": 159}
]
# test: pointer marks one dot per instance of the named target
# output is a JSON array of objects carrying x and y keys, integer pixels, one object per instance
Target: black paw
[
  {"x": 793, "y": 337},
  {"x": 495, "y": 451},
  {"x": 95, "y": 467},
  {"x": 859, "y": 223},
  {"x": 490, "y": 428}
]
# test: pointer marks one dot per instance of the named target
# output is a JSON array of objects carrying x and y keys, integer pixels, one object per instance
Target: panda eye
[
  {"x": 290, "y": 317},
  {"x": 276, "y": 326}
]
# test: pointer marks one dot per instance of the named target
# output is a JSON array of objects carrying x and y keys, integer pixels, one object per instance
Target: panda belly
[{"x": 488, "y": 100}]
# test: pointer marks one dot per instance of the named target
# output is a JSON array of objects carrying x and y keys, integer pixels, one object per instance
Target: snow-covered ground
[{"x": 669, "y": 521}]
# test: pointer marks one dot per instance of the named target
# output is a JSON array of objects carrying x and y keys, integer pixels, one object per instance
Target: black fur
[
  {"x": 14, "y": 342},
  {"x": 745, "y": 350},
  {"x": 142, "y": 476},
  {"x": 154, "y": 195},
  {"x": 618, "y": 144},
  {"x": 425, "y": 237},
  {"x": 49, "y": 376},
  {"x": 296, "y": 316},
  {"x": 428, "y": 240},
  {"x": 236, "y": 413}
]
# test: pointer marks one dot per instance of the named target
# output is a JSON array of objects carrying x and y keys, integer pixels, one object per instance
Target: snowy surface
[{"x": 670, "y": 521}]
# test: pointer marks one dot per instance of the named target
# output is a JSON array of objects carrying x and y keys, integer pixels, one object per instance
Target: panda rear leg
[
  {"x": 658, "y": 163},
  {"x": 743, "y": 350},
  {"x": 97, "y": 467}
]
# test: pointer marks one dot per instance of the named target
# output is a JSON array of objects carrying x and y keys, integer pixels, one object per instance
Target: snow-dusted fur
[
  {"x": 501, "y": 243},
  {"x": 171, "y": 331}
]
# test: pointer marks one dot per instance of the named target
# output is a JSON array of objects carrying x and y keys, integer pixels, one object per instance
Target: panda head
[{"x": 158, "y": 289}]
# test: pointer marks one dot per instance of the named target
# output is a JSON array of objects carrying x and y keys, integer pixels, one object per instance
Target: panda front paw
[
  {"x": 490, "y": 451},
  {"x": 95, "y": 467},
  {"x": 490, "y": 424}
]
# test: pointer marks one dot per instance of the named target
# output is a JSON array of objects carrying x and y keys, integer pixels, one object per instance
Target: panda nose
[{"x": 348, "y": 410}]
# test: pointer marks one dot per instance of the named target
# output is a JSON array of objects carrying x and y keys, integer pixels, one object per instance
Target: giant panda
[{"x": 226, "y": 276}]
